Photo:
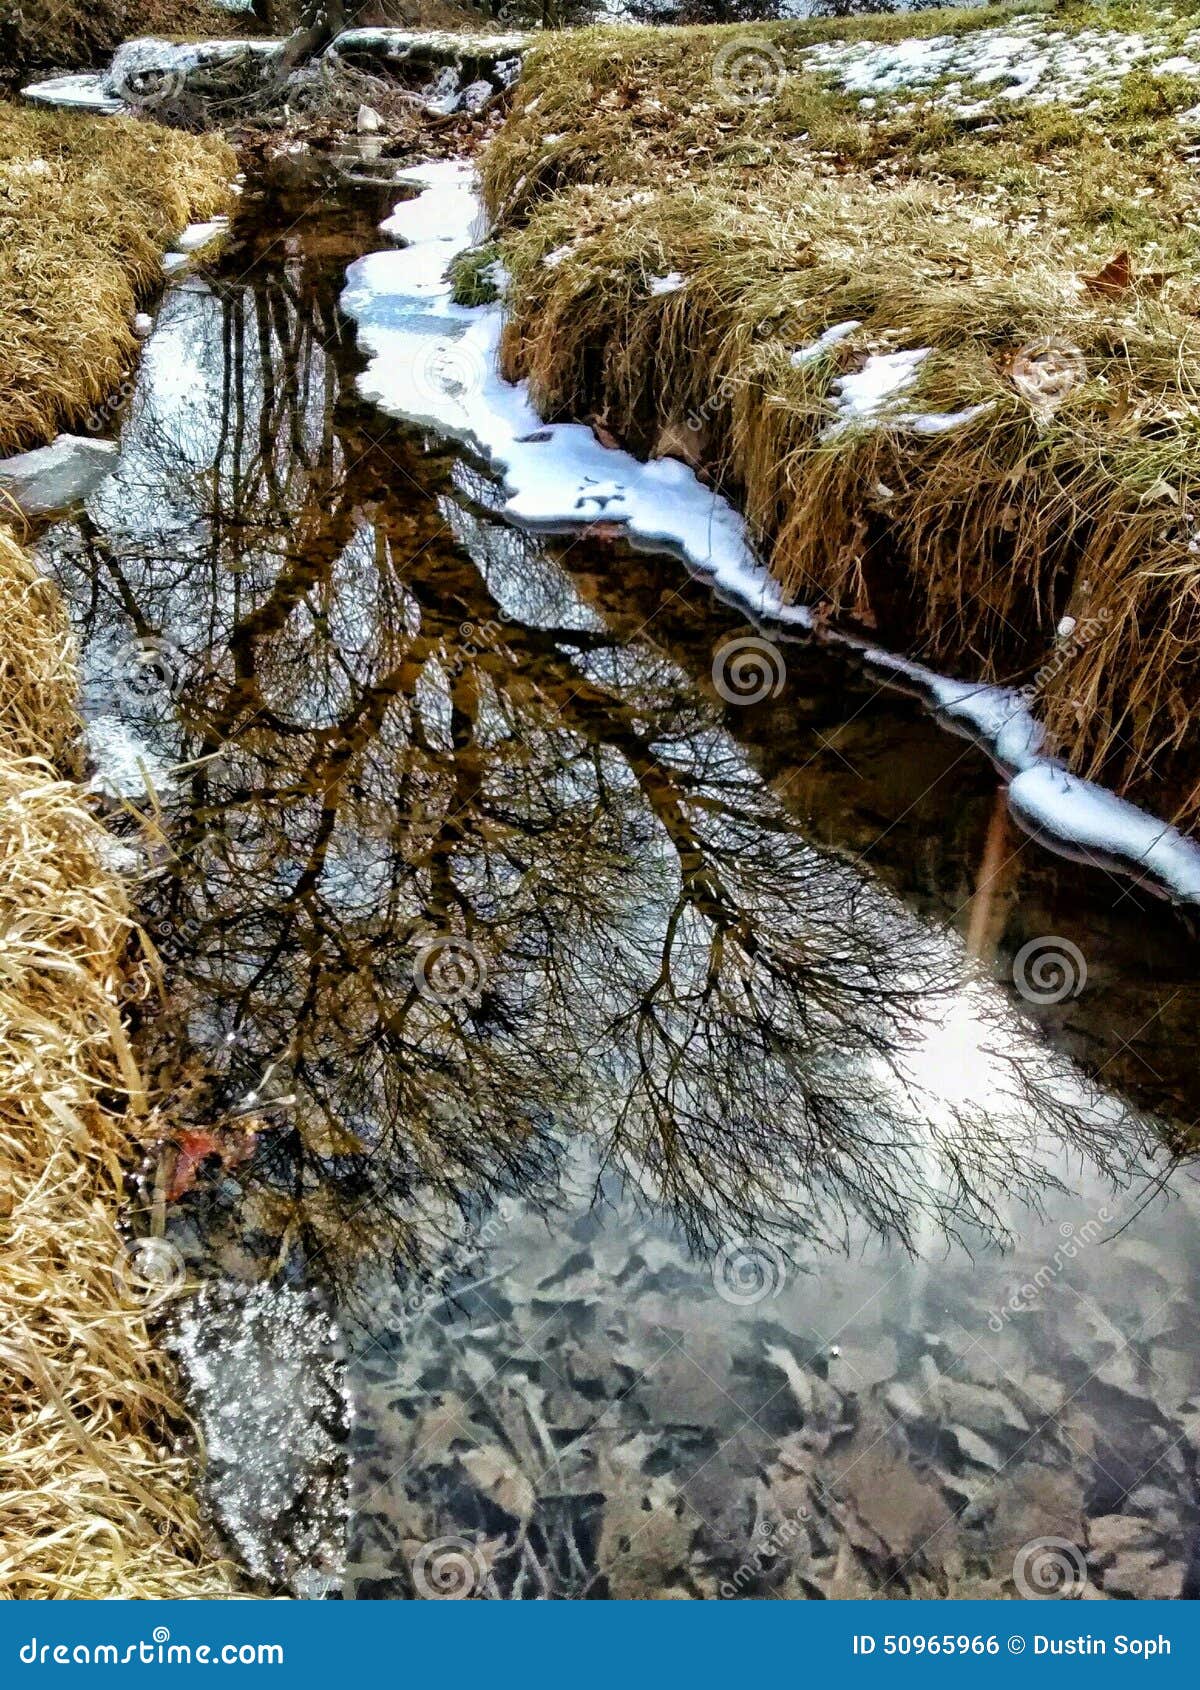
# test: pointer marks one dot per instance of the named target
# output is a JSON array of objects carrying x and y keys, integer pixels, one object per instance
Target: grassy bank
[
  {"x": 685, "y": 211},
  {"x": 86, "y": 209},
  {"x": 93, "y": 1503}
]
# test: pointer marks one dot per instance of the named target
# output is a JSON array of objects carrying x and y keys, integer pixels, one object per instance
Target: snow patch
[
  {"x": 865, "y": 392},
  {"x": 1083, "y": 820},
  {"x": 1021, "y": 61},
  {"x": 75, "y": 93},
  {"x": 198, "y": 235},
  {"x": 827, "y": 339},
  {"x": 53, "y": 478},
  {"x": 942, "y": 422}
]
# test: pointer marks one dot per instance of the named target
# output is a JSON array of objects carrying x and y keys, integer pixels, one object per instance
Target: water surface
[{"x": 625, "y": 1181}]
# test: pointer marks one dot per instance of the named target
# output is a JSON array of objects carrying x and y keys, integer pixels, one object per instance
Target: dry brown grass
[
  {"x": 92, "y": 1501},
  {"x": 44, "y": 35},
  {"x": 967, "y": 548},
  {"x": 86, "y": 208}
]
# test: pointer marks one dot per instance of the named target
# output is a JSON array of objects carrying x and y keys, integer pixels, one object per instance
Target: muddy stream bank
[{"x": 622, "y": 1183}]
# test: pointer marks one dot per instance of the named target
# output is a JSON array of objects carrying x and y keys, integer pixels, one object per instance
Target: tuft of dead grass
[
  {"x": 973, "y": 237},
  {"x": 93, "y": 1503},
  {"x": 86, "y": 208}
]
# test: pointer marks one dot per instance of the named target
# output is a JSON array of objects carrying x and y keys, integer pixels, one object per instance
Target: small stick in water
[{"x": 990, "y": 871}]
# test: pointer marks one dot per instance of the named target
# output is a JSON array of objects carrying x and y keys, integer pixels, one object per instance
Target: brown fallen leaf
[
  {"x": 194, "y": 1147},
  {"x": 1115, "y": 277}
]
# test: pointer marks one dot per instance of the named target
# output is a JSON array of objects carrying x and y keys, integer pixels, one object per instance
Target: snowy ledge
[
  {"x": 434, "y": 363},
  {"x": 147, "y": 68}
]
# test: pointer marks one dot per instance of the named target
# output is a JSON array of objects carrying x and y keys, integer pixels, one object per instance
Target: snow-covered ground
[{"x": 1023, "y": 60}]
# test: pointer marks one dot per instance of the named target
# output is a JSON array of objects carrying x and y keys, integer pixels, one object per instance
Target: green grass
[{"x": 474, "y": 275}]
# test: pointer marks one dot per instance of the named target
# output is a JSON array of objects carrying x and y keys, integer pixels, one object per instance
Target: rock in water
[
  {"x": 52, "y": 478},
  {"x": 263, "y": 1366},
  {"x": 475, "y": 95}
]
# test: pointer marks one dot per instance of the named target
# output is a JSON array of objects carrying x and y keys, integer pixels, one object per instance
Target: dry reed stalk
[{"x": 93, "y": 1501}]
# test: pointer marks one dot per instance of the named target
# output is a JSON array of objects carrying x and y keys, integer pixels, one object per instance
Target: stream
[{"x": 625, "y": 1182}]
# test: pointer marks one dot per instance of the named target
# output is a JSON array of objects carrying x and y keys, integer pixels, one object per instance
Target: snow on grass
[
  {"x": 1022, "y": 61},
  {"x": 864, "y": 393},
  {"x": 866, "y": 396},
  {"x": 829, "y": 338}
]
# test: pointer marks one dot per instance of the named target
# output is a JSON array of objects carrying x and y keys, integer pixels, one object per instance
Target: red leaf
[{"x": 192, "y": 1150}]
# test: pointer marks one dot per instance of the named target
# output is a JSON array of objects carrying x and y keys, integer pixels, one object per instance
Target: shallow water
[{"x": 626, "y": 1183}]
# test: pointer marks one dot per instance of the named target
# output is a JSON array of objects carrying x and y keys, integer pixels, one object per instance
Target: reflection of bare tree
[{"x": 398, "y": 723}]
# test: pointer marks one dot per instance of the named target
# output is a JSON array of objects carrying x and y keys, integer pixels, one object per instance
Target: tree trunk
[{"x": 320, "y": 21}]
